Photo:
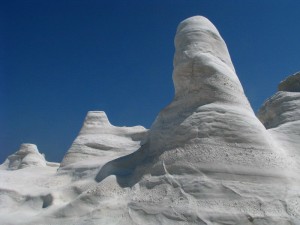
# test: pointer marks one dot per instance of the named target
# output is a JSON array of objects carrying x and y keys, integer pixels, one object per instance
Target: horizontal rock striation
[
  {"x": 207, "y": 158},
  {"x": 99, "y": 142},
  {"x": 281, "y": 116}
]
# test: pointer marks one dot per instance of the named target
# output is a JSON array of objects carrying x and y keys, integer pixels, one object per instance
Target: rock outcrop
[
  {"x": 210, "y": 124},
  {"x": 99, "y": 142},
  {"x": 281, "y": 116},
  {"x": 207, "y": 159},
  {"x": 290, "y": 84},
  {"x": 27, "y": 156}
]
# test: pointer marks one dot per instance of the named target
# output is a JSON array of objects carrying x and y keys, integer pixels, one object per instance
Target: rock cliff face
[{"x": 207, "y": 159}]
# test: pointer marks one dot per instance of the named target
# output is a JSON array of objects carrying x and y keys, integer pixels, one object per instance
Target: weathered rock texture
[
  {"x": 207, "y": 158},
  {"x": 281, "y": 116},
  {"x": 99, "y": 142},
  {"x": 290, "y": 84},
  {"x": 27, "y": 156}
]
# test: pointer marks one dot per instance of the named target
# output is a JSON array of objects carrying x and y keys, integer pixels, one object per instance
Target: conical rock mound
[
  {"x": 27, "y": 156},
  {"x": 99, "y": 142},
  {"x": 210, "y": 114},
  {"x": 207, "y": 159},
  {"x": 209, "y": 125}
]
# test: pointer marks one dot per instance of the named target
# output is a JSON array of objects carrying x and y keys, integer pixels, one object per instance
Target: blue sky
[{"x": 60, "y": 59}]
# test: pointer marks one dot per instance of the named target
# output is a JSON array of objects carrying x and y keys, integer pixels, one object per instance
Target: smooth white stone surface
[
  {"x": 99, "y": 142},
  {"x": 27, "y": 156},
  {"x": 281, "y": 116},
  {"x": 207, "y": 158}
]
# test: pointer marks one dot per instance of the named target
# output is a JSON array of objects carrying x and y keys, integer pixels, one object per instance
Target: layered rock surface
[
  {"x": 207, "y": 158},
  {"x": 281, "y": 116},
  {"x": 99, "y": 142},
  {"x": 25, "y": 182}
]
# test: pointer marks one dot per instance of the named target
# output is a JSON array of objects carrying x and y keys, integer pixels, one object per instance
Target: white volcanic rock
[
  {"x": 99, "y": 142},
  {"x": 210, "y": 124},
  {"x": 28, "y": 155},
  {"x": 206, "y": 160},
  {"x": 31, "y": 196},
  {"x": 281, "y": 116},
  {"x": 26, "y": 183}
]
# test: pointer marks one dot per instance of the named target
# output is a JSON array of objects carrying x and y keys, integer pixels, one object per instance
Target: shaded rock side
[
  {"x": 99, "y": 141},
  {"x": 291, "y": 83},
  {"x": 281, "y": 116}
]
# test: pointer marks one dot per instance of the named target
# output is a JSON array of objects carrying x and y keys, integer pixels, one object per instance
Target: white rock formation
[
  {"x": 27, "y": 156},
  {"x": 99, "y": 142},
  {"x": 25, "y": 182},
  {"x": 281, "y": 116},
  {"x": 290, "y": 84},
  {"x": 207, "y": 159}
]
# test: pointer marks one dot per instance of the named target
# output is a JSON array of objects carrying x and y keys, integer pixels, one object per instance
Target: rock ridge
[{"x": 291, "y": 83}]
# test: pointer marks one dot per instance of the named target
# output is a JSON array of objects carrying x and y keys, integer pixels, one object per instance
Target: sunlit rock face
[
  {"x": 209, "y": 125},
  {"x": 210, "y": 108},
  {"x": 99, "y": 142},
  {"x": 27, "y": 156},
  {"x": 206, "y": 160},
  {"x": 281, "y": 116}
]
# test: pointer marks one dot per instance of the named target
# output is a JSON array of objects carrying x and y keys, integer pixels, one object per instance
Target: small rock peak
[
  {"x": 196, "y": 22},
  {"x": 202, "y": 62},
  {"x": 28, "y": 148},
  {"x": 198, "y": 35},
  {"x": 27, "y": 156},
  {"x": 96, "y": 118},
  {"x": 291, "y": 83}
]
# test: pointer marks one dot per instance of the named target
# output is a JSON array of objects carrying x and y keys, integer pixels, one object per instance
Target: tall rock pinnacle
[
  {"x": 210, "y": 124},
  {"x": 210, "y": 112},
  {"x": 207, "y": 158},
  {"x": 200, "y": 53}
]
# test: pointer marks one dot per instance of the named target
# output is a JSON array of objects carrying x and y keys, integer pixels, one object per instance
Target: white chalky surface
[{"x": 207, "y": 159}]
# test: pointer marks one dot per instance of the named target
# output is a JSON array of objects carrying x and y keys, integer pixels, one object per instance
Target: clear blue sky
[{"x": 60, "y": 59}]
